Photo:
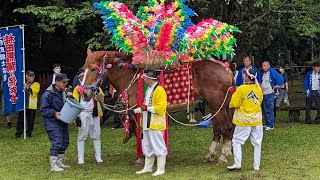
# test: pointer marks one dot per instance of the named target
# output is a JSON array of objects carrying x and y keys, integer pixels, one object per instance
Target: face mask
[
  {"x": 281, "y": 70},
  {"x": 57, "y": 70}
]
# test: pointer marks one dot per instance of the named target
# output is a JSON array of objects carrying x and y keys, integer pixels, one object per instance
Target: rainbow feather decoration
[
  {"x": 165, "y": 30},
  {"x": 209, "y": 37}
]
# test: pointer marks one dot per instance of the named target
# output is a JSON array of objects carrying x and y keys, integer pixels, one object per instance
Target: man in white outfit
[
  {"x": 88, "y": 123},
  {"x": 153, "y": 124}
]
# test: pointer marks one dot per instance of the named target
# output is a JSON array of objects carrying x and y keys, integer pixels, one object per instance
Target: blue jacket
[
  {"x": 307, "y": 85},
  {"x": 275, "y": 78},
  {"x": 52, "y": 101},
  {"x": 239, "y": 80}
]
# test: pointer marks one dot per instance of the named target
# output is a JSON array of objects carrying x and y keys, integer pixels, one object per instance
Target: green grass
[{"x": 291, "y": 151}]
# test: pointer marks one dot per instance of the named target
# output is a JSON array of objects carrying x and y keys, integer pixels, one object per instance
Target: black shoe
[
  {"x": 9, "y": 125},
  {"x": 29, "y": 135},
  {"x": 308, "y": 122}
]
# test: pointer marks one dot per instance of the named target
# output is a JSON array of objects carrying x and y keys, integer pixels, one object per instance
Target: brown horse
[{"x": 211, "y": 83}]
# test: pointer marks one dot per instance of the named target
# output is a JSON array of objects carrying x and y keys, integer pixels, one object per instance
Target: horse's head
[
  {"x": 96, "y": 69},
  {"x": 94, "y": 73}
]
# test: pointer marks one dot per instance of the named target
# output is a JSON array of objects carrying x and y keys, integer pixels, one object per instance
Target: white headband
[
  {"x": 251, "y": 76},
  {"x": 144, "y": 75}
]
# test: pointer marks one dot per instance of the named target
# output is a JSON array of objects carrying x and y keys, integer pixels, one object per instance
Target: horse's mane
[{"x": 108, "y": 56}]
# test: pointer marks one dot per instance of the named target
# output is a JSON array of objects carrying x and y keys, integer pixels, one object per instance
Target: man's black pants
[
  {"x": 30, "y": 115},
  {"x": 314, "y": 96}
]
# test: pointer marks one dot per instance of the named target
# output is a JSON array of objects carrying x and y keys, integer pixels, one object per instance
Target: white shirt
[
  {"x": 266, "y": 84},
  {"x": 315, "y": 81},
  {"x": 88, "y": 105},
  {"x": 235, "y": 75},
  {"x": 53, "y": 79},
  {"x": 146, "y": 102}
]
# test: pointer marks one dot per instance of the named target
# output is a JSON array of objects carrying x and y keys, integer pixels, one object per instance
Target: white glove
[{"x": 137, "y": 110}]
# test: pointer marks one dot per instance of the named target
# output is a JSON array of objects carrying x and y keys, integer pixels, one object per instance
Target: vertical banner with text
[{"x": 11, "y": 62}]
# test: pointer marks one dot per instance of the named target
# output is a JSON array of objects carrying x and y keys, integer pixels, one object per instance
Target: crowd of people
[{"x": 258, "y": 94}]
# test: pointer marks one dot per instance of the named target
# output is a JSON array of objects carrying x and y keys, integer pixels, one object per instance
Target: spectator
[
  {"x": 31, "y": 89},
  {"x": 56, "y": 68},
  {"x": 247, "y": 117},
  {"x": 235, "y": 71},
  {"x": 6, "y": 116},
  {"x": 111, "y": 96},
  {"x": 312, "y": 88},
  {"x": 200, "y": 106},
  {"x": 283, "y": 91},
  {"x": 153, "y": 124},
  {"x": 271, "y": 81},
  {"x": 52, "y": 101},
  {"x": 76, "y": 80},
  {"x": 247, "y": 65},
  {"x": 88, "y": 123},
  {"x": 8, "y": 119}
]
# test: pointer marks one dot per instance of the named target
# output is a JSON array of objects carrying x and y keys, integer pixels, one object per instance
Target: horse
[{"x": 211, "y": 82}]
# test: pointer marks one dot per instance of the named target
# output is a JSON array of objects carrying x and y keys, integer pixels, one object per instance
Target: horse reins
[
  {"x": 133, "y": 80},
  {"x": 119, "y": 112},
  {"x": 209, "y": 118}
]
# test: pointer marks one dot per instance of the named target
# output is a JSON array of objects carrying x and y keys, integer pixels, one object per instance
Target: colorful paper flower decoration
[{"x": 165, "y": 30}]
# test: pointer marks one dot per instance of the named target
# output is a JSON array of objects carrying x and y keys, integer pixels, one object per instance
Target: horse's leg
[
  {"x": 226, "y": 132},
  {"x": 213, "y": 148},
  {"x": 226, "y": 149},
  {"x": 216, "y": 129}
]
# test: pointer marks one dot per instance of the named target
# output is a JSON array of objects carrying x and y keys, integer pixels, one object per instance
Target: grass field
[{"x": 291, "y": 151}]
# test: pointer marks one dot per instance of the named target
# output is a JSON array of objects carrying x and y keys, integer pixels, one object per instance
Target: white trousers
[
  {"x": 89, "y": 126},
  {"x": 240, "y": 135},
  {"x": 153, "y": 143}
]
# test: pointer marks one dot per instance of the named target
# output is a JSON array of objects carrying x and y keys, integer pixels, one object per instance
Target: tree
[{"x": 269, "y": 28}]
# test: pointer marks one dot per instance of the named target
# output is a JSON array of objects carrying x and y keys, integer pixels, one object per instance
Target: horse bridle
[{"x": 102, "y": 70}]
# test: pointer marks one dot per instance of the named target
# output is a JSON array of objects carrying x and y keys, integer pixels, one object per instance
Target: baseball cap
[
  {"x": 30, "y": 73},
  {"x": 62, "y": 77}
]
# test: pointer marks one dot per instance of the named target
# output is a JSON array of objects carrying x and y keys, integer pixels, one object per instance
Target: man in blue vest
[
  {"x": 271, "y": 80},
  {"x": 247, "y": 65},
  {"x": 311, "y": 86}
]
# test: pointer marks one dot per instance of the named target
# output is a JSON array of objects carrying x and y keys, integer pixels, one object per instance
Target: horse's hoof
[
  {"x": 207, "y": 158},
  {"x": 126, "y": 138},
  {"x": 222, "y": 160}
]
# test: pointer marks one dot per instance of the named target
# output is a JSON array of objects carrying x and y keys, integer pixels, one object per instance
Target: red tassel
[
  {"x": 138, "y": 116},
  {"x": 232, "y": 90}
]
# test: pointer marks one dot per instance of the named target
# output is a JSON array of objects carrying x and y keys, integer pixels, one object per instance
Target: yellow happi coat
[
  {"x": 247, "y": 103},
  {"x": 159, "y": 104},
  {"x": 76, "y": 96},
  {"x": 33, "y": 96}
]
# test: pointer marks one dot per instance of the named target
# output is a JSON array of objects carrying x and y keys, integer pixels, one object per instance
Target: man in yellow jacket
[
  {"x": 248, "y": 119},
  {"x": 88, "y": 123},
  {"x": 153, "y": 124},
  {"x": 31, "y": 89}
]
